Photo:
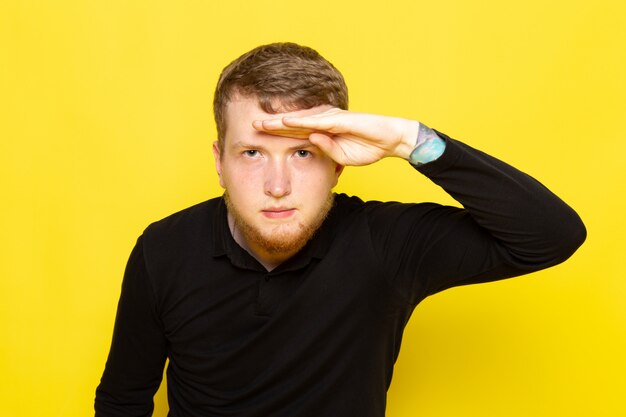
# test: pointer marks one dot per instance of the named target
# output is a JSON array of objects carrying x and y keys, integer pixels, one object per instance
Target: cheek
[
  {"x": 319, "y": 177},
  {"x": 312, "y": 190},
  {"x": 243, "y": 197},
  {"x": 238, "y": 174},
  {"x": 241, "y": 187},
  {"x": 244, "y": 183}
]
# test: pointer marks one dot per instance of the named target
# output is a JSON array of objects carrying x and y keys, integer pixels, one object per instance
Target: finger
[
  {"x": 328, "y": 146},
  {"x": 285, "y": 131},
  {"x": 269, "y": 124},
  {"x": 273, "y": 124},
  {"x": 275, "y": 127},
  {"x": 290, "y": 135},
  {"x": 327, "y": 123}
]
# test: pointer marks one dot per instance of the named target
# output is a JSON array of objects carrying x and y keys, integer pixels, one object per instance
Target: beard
[{"x": 282, "y": 238}]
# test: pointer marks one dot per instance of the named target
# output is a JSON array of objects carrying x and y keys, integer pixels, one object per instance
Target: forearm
[
  {"x": 510, "y": 225},
  {"x": 535, "y": 226}
]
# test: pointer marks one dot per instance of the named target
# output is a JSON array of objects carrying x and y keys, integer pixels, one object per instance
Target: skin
[
  {"x": 349, "y": 138},
  {"x": 278, "y": 170}
]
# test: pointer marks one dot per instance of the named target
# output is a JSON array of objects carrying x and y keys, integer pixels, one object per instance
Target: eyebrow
[{"x": 305, "y": 145}]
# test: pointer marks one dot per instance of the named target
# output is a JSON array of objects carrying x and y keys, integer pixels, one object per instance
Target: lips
[{"x": 278, "y": 212}]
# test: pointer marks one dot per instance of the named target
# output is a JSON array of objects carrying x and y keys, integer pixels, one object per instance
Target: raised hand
[{"x": 349, "y": 138}]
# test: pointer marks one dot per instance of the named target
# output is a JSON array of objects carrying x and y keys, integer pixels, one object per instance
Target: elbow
[
  {"x": 565, "y": 239},
  {"x": 575, "y": 237},
  {"x": 553, "y": 245}
]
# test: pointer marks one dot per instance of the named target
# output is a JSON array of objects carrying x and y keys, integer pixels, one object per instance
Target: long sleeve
[
  {"x": 135, "y": 364},
  {"x": 510, "y": 225}
]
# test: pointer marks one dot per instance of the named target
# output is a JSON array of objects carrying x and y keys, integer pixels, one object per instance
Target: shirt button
[{"x": 267, "y": 278}]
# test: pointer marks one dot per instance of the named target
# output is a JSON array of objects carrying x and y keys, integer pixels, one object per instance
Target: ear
[
  {"x": 218, "y": 162},
  {"x": 338, "y": 171}
]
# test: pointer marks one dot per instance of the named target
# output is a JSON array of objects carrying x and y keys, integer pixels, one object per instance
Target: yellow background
[{"x": 106, "y": 125}]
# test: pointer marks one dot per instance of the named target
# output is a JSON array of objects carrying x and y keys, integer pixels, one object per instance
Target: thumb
[{"x": 328, "y": 146}]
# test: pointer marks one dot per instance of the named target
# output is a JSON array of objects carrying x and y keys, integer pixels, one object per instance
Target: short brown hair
[{"x": 283, "y": 77}]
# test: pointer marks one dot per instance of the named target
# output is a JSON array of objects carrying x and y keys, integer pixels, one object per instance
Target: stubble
[{"x": 280, "y": 239}]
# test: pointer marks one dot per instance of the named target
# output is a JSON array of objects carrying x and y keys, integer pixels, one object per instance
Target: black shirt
[{"x": 318, "y": 335}]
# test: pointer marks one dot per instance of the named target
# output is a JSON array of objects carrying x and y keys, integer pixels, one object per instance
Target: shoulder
[
  {"x": 183, "y": 221},
  {"x": 380, "y": 209},
  {"x": 384, "y": 217},
  {"x": 181, "y": 233}
]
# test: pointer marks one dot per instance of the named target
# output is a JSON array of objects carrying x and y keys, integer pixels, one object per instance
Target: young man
[{"x": 281, "y": 298}]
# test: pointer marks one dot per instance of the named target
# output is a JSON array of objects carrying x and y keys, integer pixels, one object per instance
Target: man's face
[{"x": 278, "y": 189}]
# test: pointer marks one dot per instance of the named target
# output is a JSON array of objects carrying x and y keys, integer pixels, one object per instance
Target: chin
[
  {"x": 282, "y": 239},
  {"x": 285, "y": 236}
]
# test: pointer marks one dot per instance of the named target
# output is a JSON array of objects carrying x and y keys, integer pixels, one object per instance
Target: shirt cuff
[{"x": 428, "y": 151}]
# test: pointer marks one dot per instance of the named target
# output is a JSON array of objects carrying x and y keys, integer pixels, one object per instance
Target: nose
[{"x": 277, "y": 179}]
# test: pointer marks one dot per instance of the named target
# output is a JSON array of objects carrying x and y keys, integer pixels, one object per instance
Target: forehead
[
  {"x": 242, "y": 111},
  {"x": 241, "y": 108},
  {"x": 240, "y": 105}
]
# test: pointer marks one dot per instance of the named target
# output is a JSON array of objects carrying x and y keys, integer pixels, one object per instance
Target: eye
[
  {"x": 301, "y": 153},
  {"x": 251, "y": 153}
]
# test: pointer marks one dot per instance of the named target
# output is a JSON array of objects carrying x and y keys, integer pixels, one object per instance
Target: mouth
[{"x": 278, "y": 212}]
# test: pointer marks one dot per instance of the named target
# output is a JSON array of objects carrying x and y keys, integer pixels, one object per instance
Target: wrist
[
  {"x": 428, "y": 147},
  {"x": 410, "y": 131}
]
